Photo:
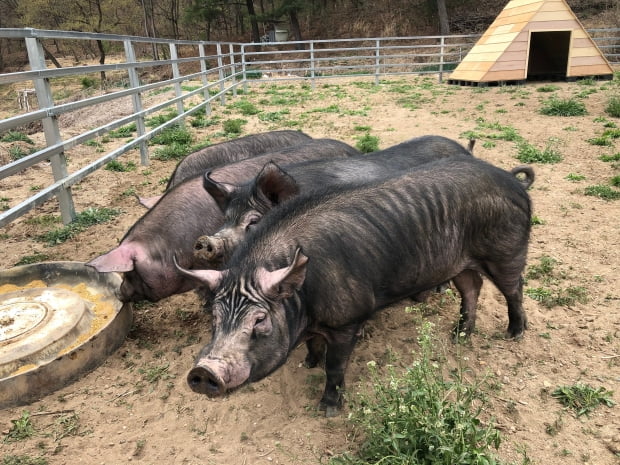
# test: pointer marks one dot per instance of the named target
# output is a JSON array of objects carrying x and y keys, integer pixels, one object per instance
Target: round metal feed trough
[{"x": 58, "y": 320}]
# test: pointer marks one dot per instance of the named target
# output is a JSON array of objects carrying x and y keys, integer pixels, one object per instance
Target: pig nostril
[
  {"x": 209, "y": 248},
  {"x": 201, "y": 380},
  {"x": 198, "y": 246}
]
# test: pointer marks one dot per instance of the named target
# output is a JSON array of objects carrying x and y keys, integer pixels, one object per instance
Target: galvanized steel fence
[{"x": 153, "y": 65}]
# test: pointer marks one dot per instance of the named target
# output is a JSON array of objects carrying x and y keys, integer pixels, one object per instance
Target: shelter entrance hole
[{"x": 548, "y": 55}]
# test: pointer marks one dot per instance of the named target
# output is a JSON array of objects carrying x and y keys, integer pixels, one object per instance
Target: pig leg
[
  {"x": 316, "y": 351},
  {"x": 339, "y": 348},
  {"x": 468, "y": 283},
  {"x": 511, "y": 285}
]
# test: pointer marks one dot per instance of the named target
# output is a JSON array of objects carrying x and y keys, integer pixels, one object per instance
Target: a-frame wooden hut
[{"x": 532, "y": 39}]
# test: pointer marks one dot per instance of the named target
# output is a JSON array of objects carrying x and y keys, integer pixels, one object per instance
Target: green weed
[
  {"x": 123, "y": 131},
  {"x": 83, "y": 220},
  {"x": 29, "y": 259},
  {"x": 613, "y": 106},
  {"x": 608, "y": 158},
  {"x": 548, "y": 88},
  {"x": 174, "y": 134},
  {"x": 367, "y": 143},
  {"x": 558, "y": 297},
  {"x": 158, "y": 120},
  {"x": 233, "y": 126},
  {"x": 563, "y": 107},
  {"x": 273, "y": 116},
  {"x": 16, "y": 136},
  {"x": 602, "y": 192},
  {"x": 22, "y": 428},
  {"x": 575, "y": 177},
  {"x": 583, "y": 398},
  {"x": 174, "y": 151},
  {"x": 421, "y": 417},
  {"x": 527, "y": 153},
  {"x": 88, "y": 82},
  {"x": 156, "y": 373},
  {"x": 120, "y": 167},
  {"x": 245, "y": 107},
  {"x": 544, "y": 268}
]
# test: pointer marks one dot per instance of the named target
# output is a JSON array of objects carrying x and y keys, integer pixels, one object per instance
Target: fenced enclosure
[{"x": 192, "y": 75}]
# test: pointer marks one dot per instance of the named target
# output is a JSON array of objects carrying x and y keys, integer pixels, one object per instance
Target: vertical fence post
[
  {"x": 312, "y": 70},
  {"x": 441, "y": 60},
  {"x": 233, "y": 71},
  {"x": 377, "y": 60},
  {"x": 136, "y": 97},
  {"x": 244, "y": 69},
  {"x": 220, "y": 66},
  {"x": 36, "y": 57},
  {"x": 204, "y": 78},
  {"x": 176, "y": 74}
]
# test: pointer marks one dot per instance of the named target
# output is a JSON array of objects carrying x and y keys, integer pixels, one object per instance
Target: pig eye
[
  {"x": 251, "y": 223},
  {"x": 262, "y": 325}
]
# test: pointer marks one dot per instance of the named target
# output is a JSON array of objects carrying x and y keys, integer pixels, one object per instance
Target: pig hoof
[
  {"x": 331, "y": 412},
  {"x": 461, "y": 331},
  {"x": 516, "y": 334}
]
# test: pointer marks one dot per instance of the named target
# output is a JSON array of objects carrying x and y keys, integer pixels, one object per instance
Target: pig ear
[
  {"x": 210, "y": 278},
  {"x": 119, "y": 259},
  {"x": 220, "y": 191},
  {"x": 275, "y": 185},
  {"x": 282, "y": 283},
  {"x": 148, "y": 202}
]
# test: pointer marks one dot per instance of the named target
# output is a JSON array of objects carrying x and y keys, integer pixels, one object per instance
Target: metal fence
[{"x": 161, "y": 65}]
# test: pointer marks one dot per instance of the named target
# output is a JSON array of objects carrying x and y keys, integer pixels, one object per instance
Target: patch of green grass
[
  {"x": 120, "y": 167},
  {"x": 547, "y": 88},
  {"x": 16, "y": 136},
  {"x": 245, "y": 107},
  {"x": 174, "y": 134},
  {"x": 83, "y": 220},
  {"x": 420, "y": 417},
  {"x": 601, "y": 141},
  {"x": 174, "y": 151},
  {"x": 88, "y": 82},
  {"x": 527, "y": 153},
  {"x": 544, "y": 268},
  {"x": 273, "y": 116},
  {"x": 44, "y": 220},
  {"x": 203, "y": 122},
  {"x": 613, "y": 106},
  {"x": 155, "y": 373},
  {"x": 558, "y": 297},
  {"x": 602, "y": 192},
  {"x": 582, "y": 398},
  {"x": 22, "y": 428},
  {"x": 367, "y": 143},
  {"x": 29, "y": 259},
  {"x": 23, "y": 460},
  {"x": 17, "y": 152},
  {"x": 615, "y": 181},
  {"x": 123, "y": 131},
  {"x": 574, "y": 177},
  {"x": 233, "y": 126},
  {"x": 563, "y": 107},
  {"x": 608, "y": 158},
  {"x": 158, "y": 120}
]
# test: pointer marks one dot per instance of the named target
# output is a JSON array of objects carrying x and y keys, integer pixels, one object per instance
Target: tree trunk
[
  {"x": 253, "y": 23},
  {"x": 295, "y": 28},
  {"x": 444, "y": 24}
]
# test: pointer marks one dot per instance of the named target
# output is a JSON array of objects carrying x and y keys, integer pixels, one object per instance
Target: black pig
[
  {"x": 321, "y": 264},
  {"x": 187, "y": 211},
  {"x": 230, "y": 151},
  {"x": 244, "y": 205}
]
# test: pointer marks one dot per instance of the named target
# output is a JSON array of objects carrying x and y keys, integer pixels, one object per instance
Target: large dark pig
[
  {"x": 244, "y": 205},
  {"x": 215, "y": 155},
  {"x": 187, "y": 211},
  {"x": 321, "y": 264}
]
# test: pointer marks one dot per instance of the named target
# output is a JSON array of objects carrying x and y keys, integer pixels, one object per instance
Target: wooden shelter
[{"x": 532, "y": 40}]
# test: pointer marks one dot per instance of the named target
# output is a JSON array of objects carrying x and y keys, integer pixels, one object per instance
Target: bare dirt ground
[{"x": 121, "y": 416}]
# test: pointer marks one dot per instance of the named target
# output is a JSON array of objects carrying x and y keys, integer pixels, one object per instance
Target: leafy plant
[
  {"x": 174, "y": 151},
  {"x": 527, "y": 153},
  {"x": 563, "y": 107},
  {"x": 603, "y": 192},
  {"x": 16, "y": 136},
  {"x": 583, "y": 398},
  {"x": 233, "y": 126},
  {"x": 575, "y": 177},
  {"x": 123, "y": 131},
  {"x": 544, "y": 268},
  {"x": 613, "y": 106},
  {"x": 559, "y": 297},
  {"x": 174, "y": 134},
  {"x": 35, "y": 258},
  {"x": 245, "y": 107},
  {"x": 547, "y": 88},
  {"x": 88, "y": 82},
  {"x": 421, "y": 417},
  {"x": 83, "y": 220},
  {"x": 158, "y": 120},
  {"x": 155, "y": 373},
  {"x": 607, "y": 158},
  {"x": 119, "y": 166},
  {"x": 22, "y": 428},
  {"x": 23, "y": 460},
  {"x": 367, "y": 143}
]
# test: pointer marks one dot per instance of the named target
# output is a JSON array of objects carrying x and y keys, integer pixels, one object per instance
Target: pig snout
[
  {"x": 204, "y": 381},
  {"x": 209, "y": 248}
]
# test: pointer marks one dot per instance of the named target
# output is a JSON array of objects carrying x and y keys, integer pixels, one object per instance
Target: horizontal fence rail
[{"x": 151, "y": 65}]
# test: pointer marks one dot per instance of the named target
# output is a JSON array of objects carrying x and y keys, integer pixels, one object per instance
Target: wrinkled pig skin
[
  {"x": 244, "y": 205},
  {"x": 145, "y": 254},
  {"x": 231, "y": 151},
  {"x": 321, "y": 264}
]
